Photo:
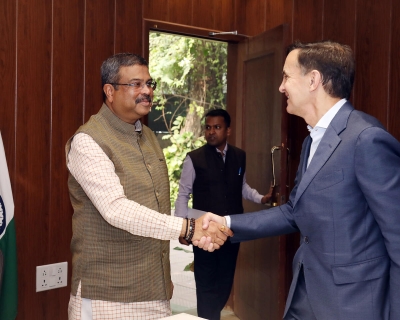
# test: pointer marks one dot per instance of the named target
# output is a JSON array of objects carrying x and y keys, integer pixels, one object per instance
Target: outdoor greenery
[{"x": 191, "y": 79}]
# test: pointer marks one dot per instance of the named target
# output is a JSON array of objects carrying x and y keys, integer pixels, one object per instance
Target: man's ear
[
  {"x": 228, "y": 131},
  {"x": 109, "y": 91},
  {"x": 315, "y": 79}
]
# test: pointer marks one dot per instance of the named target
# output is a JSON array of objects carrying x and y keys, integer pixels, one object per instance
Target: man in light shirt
[
  {"x": 119, "y": 190},
  {"x": 346, "y": 199},
  {"x": 215, "y": 175}
]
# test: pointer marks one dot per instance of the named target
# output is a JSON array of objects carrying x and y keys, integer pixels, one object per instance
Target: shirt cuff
[
  {"x": 259, "y": 198},
  {"x": 228, "y": 221}
]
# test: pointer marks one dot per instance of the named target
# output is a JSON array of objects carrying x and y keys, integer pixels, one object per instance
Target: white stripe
[
  {"x": 5, "y": 186},
  {"x": 86, "y": 311}
]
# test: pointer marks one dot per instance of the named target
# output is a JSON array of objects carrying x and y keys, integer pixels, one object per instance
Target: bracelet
[
  {"x": 187, "y": 224},
  {"x": 189, "y": 235}
]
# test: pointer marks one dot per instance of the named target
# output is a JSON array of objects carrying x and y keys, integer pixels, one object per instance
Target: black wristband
[{"x": 189, "y": 235}]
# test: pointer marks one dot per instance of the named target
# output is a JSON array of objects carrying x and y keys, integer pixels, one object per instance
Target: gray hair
[{"x": 110, "y": 67}]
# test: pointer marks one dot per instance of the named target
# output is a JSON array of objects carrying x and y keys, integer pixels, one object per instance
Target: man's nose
[
  {"x": 282, "y": 88},
  {"x": 145, "y": 89}
]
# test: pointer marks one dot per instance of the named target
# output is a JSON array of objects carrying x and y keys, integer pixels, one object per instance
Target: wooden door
[
  {"x": 259, "y": 122},
  {"x": 263, "y": 267}
]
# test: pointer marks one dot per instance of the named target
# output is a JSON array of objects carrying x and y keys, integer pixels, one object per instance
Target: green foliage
[
  {"x": 191, "y": 69},
  {"x": 175, "y": 154},
  {"x": 189, "y": 267},
  {"x": 181, "y": 62},
  {"x": 184, "y": 250},
  {"x": 191, "y": 79}
]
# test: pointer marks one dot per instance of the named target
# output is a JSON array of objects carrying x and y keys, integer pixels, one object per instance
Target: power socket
[{"x": 51, "y": 276}]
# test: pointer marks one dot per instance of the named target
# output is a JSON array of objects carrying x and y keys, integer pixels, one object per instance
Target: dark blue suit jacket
[{"x": 347, "y": 209}]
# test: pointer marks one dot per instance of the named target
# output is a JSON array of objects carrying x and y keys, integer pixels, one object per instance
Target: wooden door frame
[
  {"x": 185, "y": 30},
  {"x": 287, "y": 244}
]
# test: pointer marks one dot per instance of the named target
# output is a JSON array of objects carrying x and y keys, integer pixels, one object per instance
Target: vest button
[
  {"x": 149, "y": 166},
  {"x": 306, "y": 239}
]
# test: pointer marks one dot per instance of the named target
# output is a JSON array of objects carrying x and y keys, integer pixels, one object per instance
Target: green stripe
[{"x": 9, "y": 289}]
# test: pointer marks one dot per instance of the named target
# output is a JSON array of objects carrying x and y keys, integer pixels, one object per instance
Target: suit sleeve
[
  {"x": 264, "y": 223},
  {"x": 377, "y": 167},
  {"x": 269, "y": 222}
]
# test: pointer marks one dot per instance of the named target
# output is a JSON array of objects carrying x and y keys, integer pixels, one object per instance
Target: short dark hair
[
  {"x": 111, "y": 66},
  {"x": 220, "y": 113},
  {"x": 333, "y": 60}
]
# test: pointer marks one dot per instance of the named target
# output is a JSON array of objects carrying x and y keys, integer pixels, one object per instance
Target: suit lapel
[{"x": 327, "y": 146}]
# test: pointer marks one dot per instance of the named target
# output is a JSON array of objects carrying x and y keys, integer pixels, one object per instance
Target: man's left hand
[{"x": 211, "y": 232}]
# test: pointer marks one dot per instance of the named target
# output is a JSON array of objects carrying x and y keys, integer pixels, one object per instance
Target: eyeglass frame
[{"x": 151, "y": 84}]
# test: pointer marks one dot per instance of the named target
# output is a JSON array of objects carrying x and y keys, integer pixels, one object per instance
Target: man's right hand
[{"x": 210, "y": 222}]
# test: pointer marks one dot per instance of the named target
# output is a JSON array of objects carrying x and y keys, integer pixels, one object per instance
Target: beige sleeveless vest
[{"x": 111, "y": 263}]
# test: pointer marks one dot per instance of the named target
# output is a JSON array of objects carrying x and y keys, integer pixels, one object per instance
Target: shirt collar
[
  {"x": 327, "y": 117},
  {"x": 224, "y": 151},
  {"x": 138, "y": 125}
]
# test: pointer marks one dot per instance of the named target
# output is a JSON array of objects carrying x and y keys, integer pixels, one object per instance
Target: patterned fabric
[
  {"x": 97, "y": 174},
  {"x": 106, "y": 310}
]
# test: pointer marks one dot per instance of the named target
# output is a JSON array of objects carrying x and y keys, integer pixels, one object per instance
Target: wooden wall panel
[
  {"x": 31, "y": 191},
  {"x": 255, "y": 17},
  {"x": 99, "y": 45},
  {"x": 340, "y": 24},
  {"x": 155, "y": 10},
  {"x": 180, "y": 11},
  {"x": 67, "y": 116},
  {"x": 274, "y": 14},
  {"x": 216, "y": 15},
  {"x": 340, "y": 21},
  {"x": 224, "y": 12},
  {"x": 240, "y": 16},
  {"x": 393, "y": 79},
  {"x": 128, "y": 30},
  {"x": 50, "y": 57},
  {"x": 202, "y": 17},
  {"x": 288, "y": 7},
  {"x": 307, "y": 20},
  {"x": 7, "y": 81},
  {"x": 372, "y": 57}
]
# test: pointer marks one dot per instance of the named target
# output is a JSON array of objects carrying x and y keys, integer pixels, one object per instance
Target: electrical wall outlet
[{"x": 51, "y": 276}]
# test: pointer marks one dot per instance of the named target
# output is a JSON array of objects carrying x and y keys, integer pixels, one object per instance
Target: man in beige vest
[{"x": 119, "y": 190}]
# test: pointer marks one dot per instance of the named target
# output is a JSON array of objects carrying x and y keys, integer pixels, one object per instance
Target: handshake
[{"x": 208, "y": 232}]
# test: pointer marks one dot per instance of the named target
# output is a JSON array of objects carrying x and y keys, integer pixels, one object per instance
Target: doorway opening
[{"x": 191, "y": 75}]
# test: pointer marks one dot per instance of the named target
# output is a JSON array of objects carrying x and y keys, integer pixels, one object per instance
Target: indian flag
[{"x": 8, "y": 249}]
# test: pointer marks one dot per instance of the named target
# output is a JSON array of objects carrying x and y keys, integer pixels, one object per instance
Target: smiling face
[
  {"x": 216, "y": 132},
  {"x": 129, "y": 103},
  {"x": 295, "y": 85}
]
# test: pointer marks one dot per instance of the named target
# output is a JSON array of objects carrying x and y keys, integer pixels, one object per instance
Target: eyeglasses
[{"x": 138, "y": 84}]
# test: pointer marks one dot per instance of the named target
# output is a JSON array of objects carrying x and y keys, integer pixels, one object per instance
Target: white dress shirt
[
  {"x": 316, "y": 134},
  {"x": 318, "y": 131}
]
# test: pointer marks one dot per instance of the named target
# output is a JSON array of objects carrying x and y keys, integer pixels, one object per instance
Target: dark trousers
[
  {"x": 214, "y": 272},
  {"x": 300, "y": 308}
]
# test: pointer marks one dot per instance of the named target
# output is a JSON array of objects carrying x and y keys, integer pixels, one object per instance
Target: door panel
[{"x": 261, "y": 280}]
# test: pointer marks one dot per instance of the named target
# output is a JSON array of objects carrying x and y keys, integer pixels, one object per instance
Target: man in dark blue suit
[{"x": 346, "y": 199}]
